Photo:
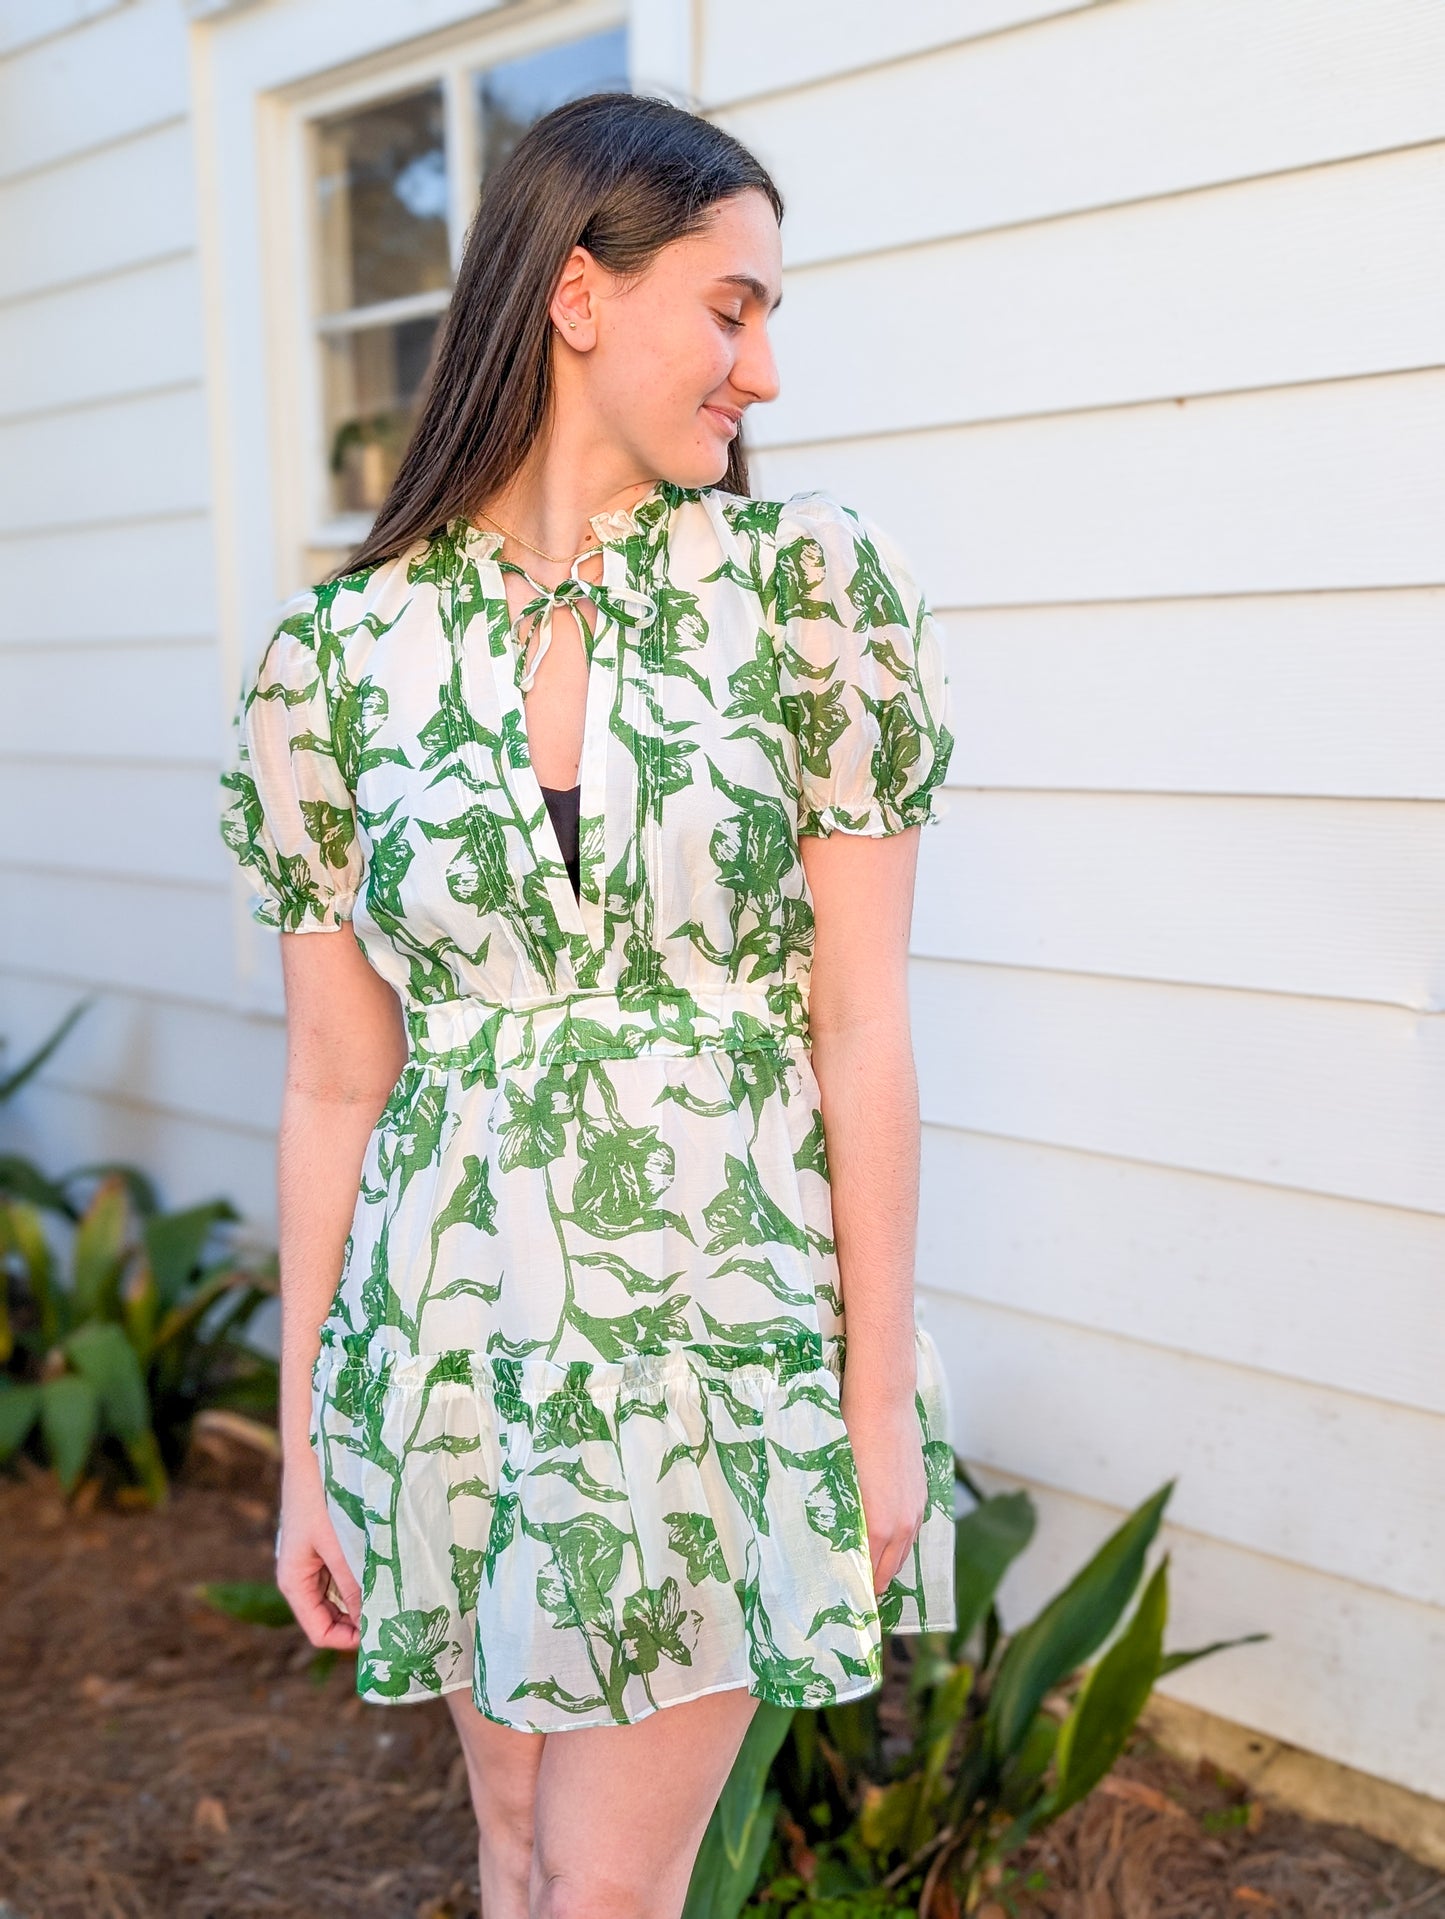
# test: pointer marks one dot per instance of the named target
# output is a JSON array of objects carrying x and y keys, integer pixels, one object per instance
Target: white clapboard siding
[
  {"x": 108, "y": 817},
  {"x": 191, "y": 1160},
  {"x": 1353, "y": 1674},
  {"x": 1327, "y": 1096},
  {"x": 141, "y": 580},
  {"x": 804, "y": 45},
  {"x": 1312, "y": 276},
  {"x": 1126, "y": 101},
  {"x": 176, "y": 1058},
  {"x": 126, "y": 76},
  {"x": 176, "y": 942},
  {"x": 99, "y": 213},
  {"x": 139, "y": 329},
  {"x": 23, "y": 22},
  {"x": 116, "y": 460},
  {"x": 1336, "y": 485},
  {"x": 1248, "y": 1274},
  {"x": 145, "y": 703},
  {"x": 1270, "y": 1464},
  {"x": 1316, "y": 897},
  {"x": 1308, "y": 693}
]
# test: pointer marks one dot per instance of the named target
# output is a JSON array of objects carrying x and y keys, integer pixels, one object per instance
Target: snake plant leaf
[
  {"x": 28, "y": 1068},
  {"x": 175, "y": 1243},
  {"x": 105, "y": 1359},
  {"x": 20, "y": 1180},
  {"x": 139, "y": 1185},
  {"x": 260, "y": 1602},
  {"x": 986, "y": 1543},
  {"x": 725, "y": 1871},
  {"x": 1172, "y": 1661},
  {"x": 19, "y": 1406},
  {"x": 69, "y": 1419},
  {"x": 1112, "y": 1697},
  {"x": 1071, "y": 1627},
  {"x": 100, "y": 1251}
]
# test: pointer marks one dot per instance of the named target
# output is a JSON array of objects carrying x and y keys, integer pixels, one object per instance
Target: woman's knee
[{"x": 584, "y": 1893}]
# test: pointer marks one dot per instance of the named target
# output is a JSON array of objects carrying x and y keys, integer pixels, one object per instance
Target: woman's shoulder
[
  {"x": 330, "y": 617},
  {"x": 792, "y": 514}
]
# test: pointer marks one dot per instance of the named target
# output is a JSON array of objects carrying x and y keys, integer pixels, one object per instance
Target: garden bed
[{"x": 165, "y": 1762}]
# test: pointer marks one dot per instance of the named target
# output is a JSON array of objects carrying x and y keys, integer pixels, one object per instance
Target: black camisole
[{"x": 564, "y": 804}]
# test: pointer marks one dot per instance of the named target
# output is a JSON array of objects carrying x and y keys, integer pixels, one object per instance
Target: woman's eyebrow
[{"x": 755, "y": 287}]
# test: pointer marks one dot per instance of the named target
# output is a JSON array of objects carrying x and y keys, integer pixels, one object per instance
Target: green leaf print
[
  {"x": 657, "y": 1626},
  {"x": 625, "y": 1170},
  {"x": 693, "y": 1536},
  {"x": 799, "y": 570},
  {"x": 938, "y": 1463},
  {"x": 466, "y": 1575},
  {"x": 789, "y": 1682},
  {"x": 505, "y": 1513},
  {"x": 632, "y": 1277},
  {"x": 743, "y": 1215},
  {"x": 745, "y": 1466},
  {"x": 568, "y": 1417},
  {"x": 535, "y": 1134},
  {"x": 472, "y": 1203},
  {"x": 832, "y": 1502},
  {"x": 818, "y": 721},
  {"x": 898, "y": 750},
  {"x": 586, "y": 1565},
  {"x": 577, "y": 1476},
  {"x": 872, "y": 591},
  {"x": 812, "y": 1155},
  {"x": 649, "y": 1329},
  {"x": 410, "y": 1644}
]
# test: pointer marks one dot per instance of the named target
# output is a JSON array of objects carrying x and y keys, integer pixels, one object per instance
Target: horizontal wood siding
[
  {"x": 1136, "y": 343},
  {"x": 114, "y": 882}
]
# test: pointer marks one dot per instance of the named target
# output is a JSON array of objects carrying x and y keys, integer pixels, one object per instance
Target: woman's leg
[
  {"x": 621, "y": 1810},
  {"x": 502, "y": 1768}
]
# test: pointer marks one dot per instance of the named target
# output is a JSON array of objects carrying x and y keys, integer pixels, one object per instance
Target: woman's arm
[
  {"x": 862, "y": 1053},
  {"x": 345, "y": 1048}
]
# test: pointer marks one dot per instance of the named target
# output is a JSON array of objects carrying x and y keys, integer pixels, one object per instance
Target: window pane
[
  {"x": 517, "y": 92},
  {"x": 371, "y": 382},
  {"x": 382, "y": 202}
]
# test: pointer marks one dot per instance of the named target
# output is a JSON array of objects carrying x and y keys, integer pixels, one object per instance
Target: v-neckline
[{"x": 579, "y": 916}]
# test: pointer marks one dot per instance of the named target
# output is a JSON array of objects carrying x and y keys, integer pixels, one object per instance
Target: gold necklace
[{"x": 556, "y": 558}]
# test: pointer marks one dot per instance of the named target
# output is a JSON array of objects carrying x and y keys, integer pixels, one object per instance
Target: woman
[{"x": 575, "y": 1445}]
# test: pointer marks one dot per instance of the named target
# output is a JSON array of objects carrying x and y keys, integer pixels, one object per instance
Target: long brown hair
[{"x": 621, "y": 174}]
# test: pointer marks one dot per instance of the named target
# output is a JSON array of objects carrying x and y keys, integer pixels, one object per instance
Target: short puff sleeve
[
  {"x": 862, "y": 677},
  {"x": 289, "y": 817}
]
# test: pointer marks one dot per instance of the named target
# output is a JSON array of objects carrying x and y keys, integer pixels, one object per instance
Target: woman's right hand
[{"x": 309, "y": 1561}]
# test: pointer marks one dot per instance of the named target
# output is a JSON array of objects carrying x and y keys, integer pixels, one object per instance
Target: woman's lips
[{"x": 725, "y": 419}]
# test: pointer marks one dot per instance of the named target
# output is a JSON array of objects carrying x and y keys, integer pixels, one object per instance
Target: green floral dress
[{"x": 576, "y": 1402}]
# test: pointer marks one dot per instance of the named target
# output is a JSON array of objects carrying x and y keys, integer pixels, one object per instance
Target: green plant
[
  {"x": 27, "y": 1069},
  {"x": 117, "y": 1322},
  {"x": 1003, "y": 1734}
]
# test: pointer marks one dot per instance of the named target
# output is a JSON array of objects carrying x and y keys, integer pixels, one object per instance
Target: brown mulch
[
  {"x": 161, "y": 1761},
  {"x": 1163, "y": 1840}
]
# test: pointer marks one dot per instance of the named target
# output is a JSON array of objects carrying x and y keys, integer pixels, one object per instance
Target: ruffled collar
[{"x": 611, "y": 529}]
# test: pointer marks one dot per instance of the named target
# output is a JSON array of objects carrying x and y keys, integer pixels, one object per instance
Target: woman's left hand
[{"x": 888, "y": 1449}]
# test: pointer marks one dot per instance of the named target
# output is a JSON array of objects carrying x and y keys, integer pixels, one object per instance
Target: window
[{"x": 394, "y": 184}]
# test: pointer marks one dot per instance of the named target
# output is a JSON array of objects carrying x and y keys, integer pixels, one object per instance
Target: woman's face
[{"x": 662, "y": 368}]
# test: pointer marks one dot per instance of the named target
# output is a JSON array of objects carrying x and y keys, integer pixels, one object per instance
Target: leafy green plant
[
  {"x": 1002, "y": 1735},
  {"x": 117, "y": 1322},
  {"x": 12, "y": 1081}
]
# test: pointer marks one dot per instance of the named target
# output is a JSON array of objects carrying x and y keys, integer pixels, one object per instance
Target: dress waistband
[{"x": 484, "y": 1035}]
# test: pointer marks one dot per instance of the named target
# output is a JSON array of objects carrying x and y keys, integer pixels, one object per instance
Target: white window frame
[
  {"x": 512, "y": 32},
  {"x": 259, "y": 76}
]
